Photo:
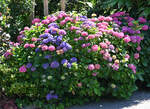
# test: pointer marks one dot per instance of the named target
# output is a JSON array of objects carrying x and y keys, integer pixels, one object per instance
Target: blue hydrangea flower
[
  {"x": 45, "y": 41},
  {"x": 50, "y": 96},
  {"x": 33, "y": 69},
  {"x": 65, "y": 49},
  {"x": 29, "y": 65},
  {"x": 64, "y": 61},
  {"x": 45, "y": 66},
  {"x": 37, "y": 50},
  {"x": 54, "y": 64},
  {"x": 46, "y": 35},
  {"x": 68, "y": 46},
  {"x": 59, "y": 38},
  {"x": 74, "y": 59},
  {"x": 69, "y": 65},
  {"x": 47, "y": 56},
  {"x": 53, "y": 25},
  {"x": 63, "y": 44}
]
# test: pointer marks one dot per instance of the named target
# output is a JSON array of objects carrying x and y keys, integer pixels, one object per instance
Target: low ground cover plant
[{"x": 68, "y": 59}]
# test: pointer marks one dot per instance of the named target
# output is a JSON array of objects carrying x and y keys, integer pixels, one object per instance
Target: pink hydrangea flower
[
  {"x": 32, "y": 45},
  {"x": 51, "y": 48},
  {"x": 91, "y": 36},
  {"x": 44, "y": 48},
  {"x": 145, "y": 27},
  {"x": 108, "y": 19},
  {"x": 136, "y": 55},
  {"x": 101, "y": 18},
  {"x": 26, "y": 45},
  {"x": 97, "y": 66},
  {"x": 127, "y": 39},
  {"x": 130, "y": 24},
  {"x": 22, "y": 69},
  {"x": 84, "y": 33},
  {"x": 132, "y": 67},
  {"x": 34, "y": 39},
  {"x": 142, "y": 20},
  {"x": 138, "y": 48},
  {"x": 102, "y": 52},
  {"x": 62, "y": 22},
  {"x": 26, "y": 28},
  {"x": 95, "y": 48},
  {"x": 91, "y": 67},
  {"x": 127, "y": 56},
  {"x": 103, "y": 45}
]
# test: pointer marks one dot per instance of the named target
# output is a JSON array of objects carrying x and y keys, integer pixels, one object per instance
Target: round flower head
[
  {"x": 32, "y": 45},
  {"x": 45, "y": 66},
  {"x": 64, "y": 61},
  {"x": 62, "y": 32},
  {"x": 97, "y": 66},
  {"x": 44, "y": 48},
  {"x": 74, "y": 59},
  {"x": 51, "y": 48},
  {"x": 33, "y": 69},
  {"x": 127, "y": 39},
  {"x": 84, "y": 33},
  {"x": 95, "y": 48},
  {"x": 26, "y": 45},
  {"x": 145, "y": 27},
  {"x": 54, "y": 64},
  {"x": 91, "y": 67},
  {"x": 136, "y": 55},
  {"x": 29, "y": 65},
  {"x": 22, "y": 69}
]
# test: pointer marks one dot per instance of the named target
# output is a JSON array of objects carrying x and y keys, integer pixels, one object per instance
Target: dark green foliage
[{"x": 136, "y": 8}]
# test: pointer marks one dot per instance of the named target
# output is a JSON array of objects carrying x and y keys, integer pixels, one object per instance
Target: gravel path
[{"x": 139, "y": 100}]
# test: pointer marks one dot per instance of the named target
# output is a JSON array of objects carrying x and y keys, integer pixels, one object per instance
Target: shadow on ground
[{"x": 139, "y": 100}]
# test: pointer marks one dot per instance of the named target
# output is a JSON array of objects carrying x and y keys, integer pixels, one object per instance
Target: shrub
[
  {"x": 68, "y": 57},
  {"x": 137, "y": 28},
  {"x": 136, "y": 8},
  {"x": 19, "y": 12},
  {"x": 4, "y": 36}
]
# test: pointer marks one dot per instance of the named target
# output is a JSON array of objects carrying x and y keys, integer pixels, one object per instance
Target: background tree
[
  {"x": 63, "y": 5},
  {"x": 45, "y": 2}
]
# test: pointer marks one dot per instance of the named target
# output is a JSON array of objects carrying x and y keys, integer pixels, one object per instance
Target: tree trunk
[
  {"x": 45, "y": 2},
  {"x": 33, "y": 11},
  {"x": 63, "y": 5}
]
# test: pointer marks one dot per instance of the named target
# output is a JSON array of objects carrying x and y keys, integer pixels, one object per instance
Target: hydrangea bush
[
  {"x": 136, "y": 29},
  {"x": 68, "y": 57}
]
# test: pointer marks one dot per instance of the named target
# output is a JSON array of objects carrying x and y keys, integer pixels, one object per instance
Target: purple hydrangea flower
[
  {"x": 50, "y": 96},
  {"x": 29, "y": 65},
  {"x": 74, "y": 59},
  {"x": 63, "y": 44},
  {"x": 45, "y": 41},
  {"x": 65, "y": 49},
  {"x": 37, "y": 50},
  {"x": 64, "y": 61},
  {"x": 53, "y": 25},
  {"x": 68, "y": 46},
  {"x": 62, "y": 32},
  {"x": 59, "y": 38},
  {"x": 47, "y": 56},
  {"x": 46, "y": 35},
  {"x": 33, "y": 69},
  {"x": 54, "y": 64},
  {"x": 45, "y": 66},
  {"x": 69, "y": 65}
]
